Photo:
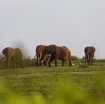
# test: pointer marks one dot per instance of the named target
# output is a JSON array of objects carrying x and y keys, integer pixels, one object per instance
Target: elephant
[
  {"x": 57, "y": 52},
  {"x": 13, "y": 55},
  {"x": 89, "y": 54},
  {"x": 39, "y": 49}
]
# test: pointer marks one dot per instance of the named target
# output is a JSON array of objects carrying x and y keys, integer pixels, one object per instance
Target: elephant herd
[
  {"x": 60, "y": 52},
  {"x": 56, "y": 52},
  {"x": 46, "y": 54}
]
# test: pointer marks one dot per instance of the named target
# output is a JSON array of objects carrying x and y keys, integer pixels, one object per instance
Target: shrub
[
  {"x": 74, "y": 58},
  {"x": 29, "y": 62},
  {"x": 2, "y": 62}
]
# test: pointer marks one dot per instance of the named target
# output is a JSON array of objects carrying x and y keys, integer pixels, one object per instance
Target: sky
[{"x": 72, "y": 23}]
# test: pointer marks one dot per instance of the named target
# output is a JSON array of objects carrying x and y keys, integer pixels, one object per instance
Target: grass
[{"x": 44, "y": 79}]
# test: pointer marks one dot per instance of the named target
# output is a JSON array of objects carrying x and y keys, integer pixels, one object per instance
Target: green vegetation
[{"x": 78, "y": 84}]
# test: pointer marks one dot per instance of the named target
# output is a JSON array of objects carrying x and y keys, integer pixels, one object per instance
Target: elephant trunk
[{"x": 44, "y": 59}]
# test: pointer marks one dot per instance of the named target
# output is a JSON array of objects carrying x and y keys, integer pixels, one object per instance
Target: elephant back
[
  {"x": 39, "y": 48},
  {"x": 92, "y": 49},
  {"x": 50, "y": 49},
  {"x": 63, "y": 53},
  {"x": 64, "y": 49},
  {"x": 18, "y": 53}
]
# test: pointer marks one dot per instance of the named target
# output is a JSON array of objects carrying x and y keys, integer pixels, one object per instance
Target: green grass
[{"x": 45, "y": 80}]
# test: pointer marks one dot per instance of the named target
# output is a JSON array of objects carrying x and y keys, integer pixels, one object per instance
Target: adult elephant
[
  {"x": 57, "y": 52},
  {"x": 14, "y": 55},
  {"x": 89, "y": 54},
  {"x": 39, "y": 49}
]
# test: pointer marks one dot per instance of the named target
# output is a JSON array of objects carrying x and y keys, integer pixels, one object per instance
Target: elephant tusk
[{"x": 40, "y": 56}]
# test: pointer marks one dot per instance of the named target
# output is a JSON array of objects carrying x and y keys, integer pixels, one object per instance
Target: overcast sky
[{"x": 73, "y": 23}]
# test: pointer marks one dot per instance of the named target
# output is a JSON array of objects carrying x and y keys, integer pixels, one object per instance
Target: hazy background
[{"x": 73, "y": 23}]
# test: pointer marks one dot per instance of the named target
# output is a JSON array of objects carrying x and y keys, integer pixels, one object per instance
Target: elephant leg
[
  {"x": 37, "y": 61},
  {"x": 63, "y": 62},
  {"x": 88, "y": 58},
  {"x": 40, "y": 62},
  {"x": 55, "y": 61},
  {"x": 70, "y": 63},
  {"x": 54, "y": 56},
  {"x": 40, "y": 55},
  {"x": 13, "y": 63},
  {"x": 51, "y": 60},
  {"x": 91, "y": 58},
  {"x": 44, "y": 62}
]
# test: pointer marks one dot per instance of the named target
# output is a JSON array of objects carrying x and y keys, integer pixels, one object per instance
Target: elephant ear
[
  {"x": 45, "y": 50},
  {"x": 5, "y": 51},
  {"x": 36, "y": 49}
]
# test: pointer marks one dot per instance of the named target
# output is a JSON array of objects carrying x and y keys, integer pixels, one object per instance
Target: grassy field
[{"x": 47, "y": 82}]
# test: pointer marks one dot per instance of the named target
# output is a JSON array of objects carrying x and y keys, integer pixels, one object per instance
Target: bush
[
  {"x": 26, "y": 62},
  {"x": 2, "y": 62},
  {"x": 74, "y": 58},
  {"x": 29, "y": 62}
]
